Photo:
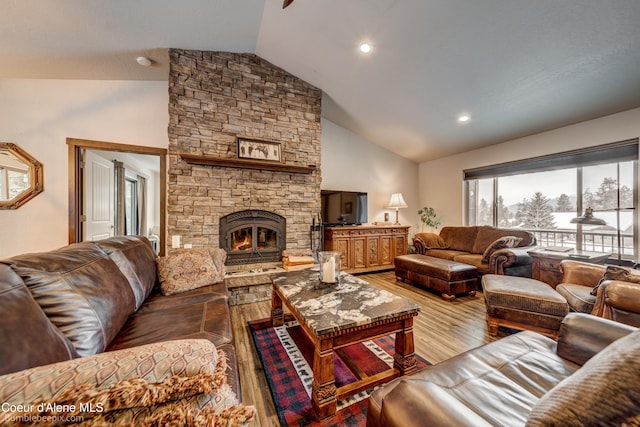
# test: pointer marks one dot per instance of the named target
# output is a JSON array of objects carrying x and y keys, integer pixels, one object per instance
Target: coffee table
[{"x": 337, "y": 316}]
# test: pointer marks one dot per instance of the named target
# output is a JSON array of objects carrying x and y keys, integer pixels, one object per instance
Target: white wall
[
  {"x": 350, "y": 162},
  {"x": 441, "y": 180},
  {"x": 39, "y": 115}
]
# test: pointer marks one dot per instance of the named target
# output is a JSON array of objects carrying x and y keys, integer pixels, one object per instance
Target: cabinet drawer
[{"x": 550, "y": 265}]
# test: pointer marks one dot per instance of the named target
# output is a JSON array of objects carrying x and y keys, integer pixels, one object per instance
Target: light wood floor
[{"x": 441, "y": 330}]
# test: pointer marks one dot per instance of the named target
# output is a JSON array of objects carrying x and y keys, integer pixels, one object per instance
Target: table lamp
[{"x": 397, "y": 202}]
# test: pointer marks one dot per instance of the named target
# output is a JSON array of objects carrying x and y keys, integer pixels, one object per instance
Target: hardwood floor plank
[{"x": 441, "y": 330}]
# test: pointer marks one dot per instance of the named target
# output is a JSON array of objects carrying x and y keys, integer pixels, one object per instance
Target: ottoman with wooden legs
[
  {"x": 523, "y": 303},
  {"x": 443, "y": 275}
]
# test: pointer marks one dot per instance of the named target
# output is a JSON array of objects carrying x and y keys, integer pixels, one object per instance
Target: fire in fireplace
[{"x": 252, "y": 236}]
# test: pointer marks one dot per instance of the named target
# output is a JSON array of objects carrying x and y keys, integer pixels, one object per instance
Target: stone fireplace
[
  {"x": 252, "y": 236},
  {"x": 214, "y": 99}
]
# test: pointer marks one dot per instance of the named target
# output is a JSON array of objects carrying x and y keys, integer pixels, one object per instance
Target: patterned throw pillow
[
  {"x": 604, "y": 391},
  {"x": 186, "y": 269},
  {"x": 613, "y": 272},
  {"x": 501, "y": 243},
  {"x": 219, "y": 256}
]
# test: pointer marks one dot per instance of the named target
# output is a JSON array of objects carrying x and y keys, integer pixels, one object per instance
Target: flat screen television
[{"x": 343, "y": 207}]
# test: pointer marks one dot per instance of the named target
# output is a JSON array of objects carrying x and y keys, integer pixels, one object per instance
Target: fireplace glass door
[
  {"x": 254, "y": 239},
  {"x": 266, "y": 238},
  {"x": 241, "y": 240}
]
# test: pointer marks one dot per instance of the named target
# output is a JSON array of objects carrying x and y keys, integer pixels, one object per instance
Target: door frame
[{"x": 75, "y": 147}]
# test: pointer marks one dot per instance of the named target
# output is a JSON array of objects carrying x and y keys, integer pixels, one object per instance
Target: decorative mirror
[{"x": 21, "y": 176}]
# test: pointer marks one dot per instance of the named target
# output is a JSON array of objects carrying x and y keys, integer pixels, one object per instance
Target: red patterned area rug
[{"x": 287, "y": 357}]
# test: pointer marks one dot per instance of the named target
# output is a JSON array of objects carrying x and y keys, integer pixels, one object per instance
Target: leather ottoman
[
  {"x": 523, "y": 303},
  {"x": 442, "y": 275}
]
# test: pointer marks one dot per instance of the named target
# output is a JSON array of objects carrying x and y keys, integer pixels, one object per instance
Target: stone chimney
[{"x": 215, "y": 98}]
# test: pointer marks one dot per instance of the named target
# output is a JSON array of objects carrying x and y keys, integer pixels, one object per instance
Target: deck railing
[{"x": 597, "y": 241}]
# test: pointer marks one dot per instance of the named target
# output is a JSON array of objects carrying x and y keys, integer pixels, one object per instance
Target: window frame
[{"x": 614, "y": 153}]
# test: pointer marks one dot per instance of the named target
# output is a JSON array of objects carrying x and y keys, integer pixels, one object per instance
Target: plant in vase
[{"x": 429, "y": 218}]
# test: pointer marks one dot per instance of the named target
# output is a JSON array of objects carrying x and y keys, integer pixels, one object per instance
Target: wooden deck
[{"x": 441, "y": 330}]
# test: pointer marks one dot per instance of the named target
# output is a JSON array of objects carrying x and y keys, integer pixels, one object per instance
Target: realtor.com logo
[{"x": 50, "y": 412}]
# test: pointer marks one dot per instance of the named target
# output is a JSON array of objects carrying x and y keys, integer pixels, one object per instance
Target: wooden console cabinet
[{"x": 367, "y": 248}]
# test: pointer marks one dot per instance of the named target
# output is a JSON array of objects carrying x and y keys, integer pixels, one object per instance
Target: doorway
[{"x": 98, "y": 209}]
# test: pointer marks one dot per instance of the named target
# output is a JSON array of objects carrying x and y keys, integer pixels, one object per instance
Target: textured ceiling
[{"x": 517, "y": 67}]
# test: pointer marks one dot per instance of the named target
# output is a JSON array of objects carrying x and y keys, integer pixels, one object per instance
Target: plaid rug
[{"x": 287, "y": 358}]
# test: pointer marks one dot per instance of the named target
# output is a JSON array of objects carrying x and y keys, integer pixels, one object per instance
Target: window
[
  {"x": 131, "y": 206},
  {"x": 543, "y": 194},
  {"x": 12, "y": 182},
  {"x": 481, "y": 201}
]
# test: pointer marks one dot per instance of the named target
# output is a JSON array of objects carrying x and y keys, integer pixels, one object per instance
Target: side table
[{"x": 546, "y": 263}]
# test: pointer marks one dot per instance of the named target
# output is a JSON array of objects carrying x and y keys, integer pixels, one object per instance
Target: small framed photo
[
  {"x": 255, "y": 149},
  {"x": 348, "y": 207}
]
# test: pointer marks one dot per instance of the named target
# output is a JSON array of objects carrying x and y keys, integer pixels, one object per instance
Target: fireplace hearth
[{"x": 252, "y": 236}]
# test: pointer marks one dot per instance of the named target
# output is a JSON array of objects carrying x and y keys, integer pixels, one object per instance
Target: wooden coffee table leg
[
  {"x": 277, "y": 315},
  {"x": 323, "y": 389},
  {"x": 404, "y": 358}
]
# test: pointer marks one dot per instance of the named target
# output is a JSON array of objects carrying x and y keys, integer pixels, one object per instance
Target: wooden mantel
[{"x": 202, "y": 160}]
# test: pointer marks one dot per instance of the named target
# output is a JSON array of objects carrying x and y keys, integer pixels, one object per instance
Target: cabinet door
[
  {"x": 400, "y": 245},
  {"x": 373, "y": 251},
  {"x": 359, "y": 252},
  {"x": 344, "y": 247},
  {"x": 387, "y": 250}
]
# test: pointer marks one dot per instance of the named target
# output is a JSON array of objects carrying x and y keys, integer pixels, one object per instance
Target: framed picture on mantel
[{"x": 255, "y": 149}]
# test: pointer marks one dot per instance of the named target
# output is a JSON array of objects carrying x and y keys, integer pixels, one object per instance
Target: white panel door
[{"x": 99, "y": 210}]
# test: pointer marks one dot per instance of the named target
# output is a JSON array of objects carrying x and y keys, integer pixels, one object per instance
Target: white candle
[{"x": 329, "y": 271}]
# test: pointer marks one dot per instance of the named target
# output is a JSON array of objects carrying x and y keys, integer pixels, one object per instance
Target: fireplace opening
[{"x": 252, "y": 236}]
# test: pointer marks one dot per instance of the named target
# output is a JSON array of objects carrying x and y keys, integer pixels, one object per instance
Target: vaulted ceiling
[{"x": 516, "y": 67}]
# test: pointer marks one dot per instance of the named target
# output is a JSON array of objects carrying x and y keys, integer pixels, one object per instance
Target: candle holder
[{"x": 329, "y": 267}]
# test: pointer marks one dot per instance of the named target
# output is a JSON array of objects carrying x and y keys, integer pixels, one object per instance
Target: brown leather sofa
[
  {"x": 617, "y": 296},
  {"x": 469, "y": 245},
  {"x": 92, "y": 297},
  {"x": 589, "y": 377}
]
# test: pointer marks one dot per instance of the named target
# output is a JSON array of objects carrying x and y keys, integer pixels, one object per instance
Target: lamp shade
[
  {"x": 588, "y": 218},
  {"x": 397, "y": 201}
]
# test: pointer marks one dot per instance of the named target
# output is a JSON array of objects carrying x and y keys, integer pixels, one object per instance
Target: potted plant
[{"x": 429, "y": 218}]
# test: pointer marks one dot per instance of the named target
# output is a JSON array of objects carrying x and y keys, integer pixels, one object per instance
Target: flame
[{"x": 246, "y": 243}]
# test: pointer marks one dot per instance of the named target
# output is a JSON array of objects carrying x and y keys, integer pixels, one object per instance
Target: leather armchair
[
  {"x": 505, "y": 382},
  {"x": 578, "y": 280},
  {"x": 616, "y": 299},
  {"x": 619, "y": 301}
]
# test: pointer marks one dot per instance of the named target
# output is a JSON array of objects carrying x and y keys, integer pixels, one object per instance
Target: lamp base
[{"x": 396, "y": 223}]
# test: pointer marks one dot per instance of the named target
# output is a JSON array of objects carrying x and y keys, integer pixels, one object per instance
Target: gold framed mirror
[{"x": 21, "y": 176}]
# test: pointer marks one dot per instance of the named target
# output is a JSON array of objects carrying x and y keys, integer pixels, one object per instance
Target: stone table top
[{"x": 329, "y": 309}]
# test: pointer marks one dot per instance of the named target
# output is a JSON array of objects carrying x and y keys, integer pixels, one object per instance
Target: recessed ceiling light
[
  {"x": 143, "y": 60},
  {"x": 464, "y": 118},
  {"x": 365, "y": 47}
]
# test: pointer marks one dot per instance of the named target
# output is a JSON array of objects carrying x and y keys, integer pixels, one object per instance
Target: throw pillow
[
  {"x": 186, "y": 269},
  {"x": 501, "y": 243},
  {"x": 431, "y": 241},
  {"x": 219, "y": 256},
  {"x": 604, "y": 391},
  {"x": 614, "y": 272}
]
